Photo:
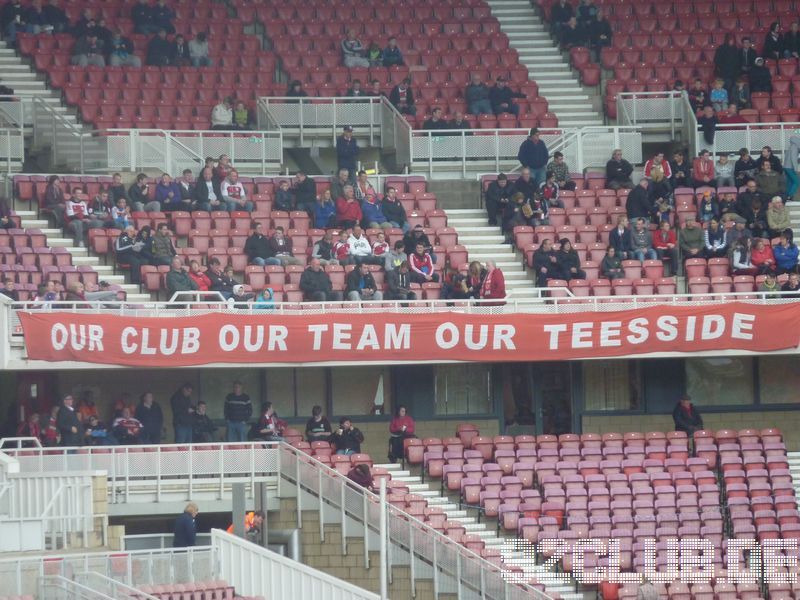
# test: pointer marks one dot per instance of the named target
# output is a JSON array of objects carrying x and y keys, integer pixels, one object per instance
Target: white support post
[
  {"x": 299, "y": 493},
  {"x": 411, "y": 559},
  {"x": 321, "y": 507},
  {"x": 384, "y": 541}
]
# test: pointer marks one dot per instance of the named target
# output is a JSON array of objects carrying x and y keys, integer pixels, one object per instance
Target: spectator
[
  {"x": 203, "y": 428},
  {"x": 281, "y": 248},
  {"x": 786, "y": 254},
  {"x": 435, "y": 122},
  {"x": 252, "y": 524},
  {"x": 545, "y": 263},
  {"x": 54, "y": 18},
  {"x": 8, "y": 290},
  {"x": 395, "y": 257},
  {"x": 611, "y": 265},
  {"x": 778, "y": 219},
  {"x": 533, "y": 154},
  {"x": 745, "y": 168},
  {"x": 560, "y": 169},
  {"x": 13, "y": 20},
  {"x": 791, "y": 41},
  {"x": 347, "y": 439},
  {"x": 89, "y": 50},
  {"x": 318, "y": 428},
  {"x": 316, "y": 284},
  {"x": 78, "y": 218},
  {"x": 657, "y": 162},
  {"x": 698, "y": 96},
  {"x": 95, "y": 433},
  {"x": 185, "y": 532},
  {"x": 180, "y": 57},
  {"x": 739, "y": 232},
  {"x": 659, "y": 196},
  {"x": 748, "y": 55},
  {"x": 642, "y": 241},
  {"x": 763, "y": 258},
  {"x": 361, "y": 285},
  {"x": 373, "y": 216},
  {"x": 121, "y": 215},
  {"x": 715, "y": 240},
  {"x": 128, "y": 252},
  {"x": 741, "y": 259},
  {"x": 703, "y": 170},
  {"x": 142, "y": 16},
  {"x": 337, "y": 185},
  {"x": 519, "y": 213},
  {"x": 168, "y": 194},
  {"x": 323, "y": 250},
  {"x": 402, "y": 97},
  {"x": 198, "y": 51},
  {"x": 620, "y": 239},
  {"x": 54, "y": 199},
  {"x": 363, "y": 189},
  {"x": 68, "y": 423},
  {"x": 586, "y": 13},
  {"x": 284, "y": 197},
  {"x": 199, "y": 277},
  {"x": 160, "y": 50},
  {"x": 348, "y": 209},
  {"x": 666, "y": 245},
  {"x": 361, "y": 475},
  {"x": 473, "y": 283},
  {"x": 502, "y": 97},
  {"x": 238, "y": 410},
  {"x": 30, "y": 428},
  {"x": 740, "y": 98},
  {"x": 375, "y": 90},
  {"x": 394, "y": 211},
  {"x": 360, "y": 248},
  {"x": 527, "y": 185},
  {"x": 731, "y": 116},
  {"x": 138, "y": 194},
  {"x": 792, "y": 285},
  {"x": 234, "y": 194},
  {"x": 186, "y": 186},
  {"x": 599, "y": 31},
  {"x": 126, "y": 428},
  {"x": 392, "y": 56},
  {"x": 6, "y": 215},
  {"x": 477, "y": 96},
  {"x": 572, "y": 36},
  {"x": 355, "y": 90},
  {"x": 773, "y": 42},
  {"x": 768, "y": 156},
  {"x": 569, "y": 262},
  {"x": 752, "y": 207},
  {"x": 163, "y": 16},
  {"x": 560, "y": 15},
  {"x": 708, "y": 124},
  {"x": 421, "y": 265},
  {"x": 347, "y": 151},
  {"x": 375, "y": 55},
  {"x": 724, "y": 172},
  {"x": 269, "y": 427},
  {"x": 353, "y": 51},
  {"x": 638, "y": 202},
  {"x": 305, "y": 193},
  {"x": 324, "y": 211},
  {"x": 341, "y": 249},
  {"x": 144, "y": 245},
  {"x": 618, "y": 172},
  {"x": 122, "y": 52},
  {"x": 398, "y": 282},
  {"x": 50, "y": 436},
  {"x": 770, "y": 284},
  {"x": 760, "y": 77},
  {"x": 458, "y": 122},
  {"x": 380, "y": 247},
  {"x": 178, "y": 280},
  {"x": 770, "y": 182},
  {"x": 726, "y": 62},
  {"x": 117, "y": 190},
  {"x": 680, "y": 171},
  {"x": 401, "y": 428},
  {"x": 497, "y": 197},
  {"x": 416, "y": 236},
  {"x": 686, "y": 417},
  {"x": 163, "y": 249},
  {"x": 205, "y": 196},
  {"x": 708, "y": 208},
  {"x": 222, "y": 114},
  {"x": 295, "y": 89},
  {"x": 257, "y": 247}
]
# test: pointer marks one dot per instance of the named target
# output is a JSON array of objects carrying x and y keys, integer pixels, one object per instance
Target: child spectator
[
  {"x": 719, "y": 96},
  {"x": 380, "y": 247}
]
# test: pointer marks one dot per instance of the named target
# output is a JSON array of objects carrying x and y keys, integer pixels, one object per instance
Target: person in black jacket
[
  {"x": 620, "y": 238},
  {"x": 569, "y": 262},
  {"x": 182, "y": 413},
  {"x": 417, "y": 236},
  {"x": 618, "y": 172},
  {"x": 305, "y": 193},
  {"x": 393, "y": 210},
  {"x": 526, "y": 185},
  {"x": 180, "y": 52},
  {"x": 600, "y": 34},
  {"x": 502, "y": 98},
  {"x": 545, "y": 264},
  {"x": 347, "y": 439},
  {"x": 316, "y": 284},
  {"x": 760, "y": 77},
  {"x": 402, "y": 97},
  {"x": 152, "y": 419},
  {"x": 238, "y": 410},
  {"x": 726, "y": 61},
  {"x": 361, "y": 285},
  {"x": 638, "y": 203},
  {"x": 560, "y": 14},
  {"x": 497, "y": 197},
  {"x": 203, "y": 428},
  {"x": 686, "y": 416},
  {"x": 160, "y": 50},
  {"x": 55, "y": 17},
  {"x": 773, "y": 42},
  {"x": 143, "y": 18},
  {"x": 185, "y": 527},
  {"x": 69, "y": 424},
  {"x": 258, "y": 249}
]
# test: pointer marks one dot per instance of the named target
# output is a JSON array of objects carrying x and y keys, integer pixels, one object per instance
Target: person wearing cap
[
  {"x": 686, "y": 416},
  {"x": 347, "y": 151},
  {"x": 760, "y": 77},
  {"x": 501, "y": 97}
]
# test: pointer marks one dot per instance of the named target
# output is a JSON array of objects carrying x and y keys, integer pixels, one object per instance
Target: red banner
[{"x": 391, "y": 337}]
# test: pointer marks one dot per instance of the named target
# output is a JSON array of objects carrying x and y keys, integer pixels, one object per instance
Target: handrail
[
  {"x": 50, "y": 585},
  {"x": 113, "y": 585},
  {"x": 730, "y": 137}
]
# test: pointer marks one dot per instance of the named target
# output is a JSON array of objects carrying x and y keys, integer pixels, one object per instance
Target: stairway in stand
[
  {"x": 794, "y": 465},
  {"x": 486, "y": 242},
  {"x": 431, "y": 491},
  {"x": 794, "y": 215},
  {"x": 529, "y": 36}
]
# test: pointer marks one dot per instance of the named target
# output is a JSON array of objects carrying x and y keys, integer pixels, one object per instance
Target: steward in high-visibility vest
[{"x": 252, "y": 522}]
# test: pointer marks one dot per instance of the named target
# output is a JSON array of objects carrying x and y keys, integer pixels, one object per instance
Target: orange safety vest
[{"x": 248, "y": 522}]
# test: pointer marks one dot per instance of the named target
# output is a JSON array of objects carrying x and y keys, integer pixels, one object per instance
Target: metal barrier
[
  {"x": 754, "y": 136},
  {"x": 154, "y": 541},
  {"x": 13, "y": 112},
  {"x": 468, "y": 151},
  {"x": 253, "y": 570},
  {"x": 12, "y": 149},
  {"x": 57, "y": 587},
  {"x": 111, "y": 587},
  {"x": 65, "y": 139},
  {"x": 660, "y": 111}
]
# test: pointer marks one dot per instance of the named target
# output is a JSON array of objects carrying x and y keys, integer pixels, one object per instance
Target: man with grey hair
[
  {"x": 494, "y": 285},
  {"x": 618, "y": 172},
  {"x": 348, "y": 209}
]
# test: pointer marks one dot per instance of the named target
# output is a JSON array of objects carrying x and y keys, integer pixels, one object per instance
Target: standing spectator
[
  {"x": 143, "y": 18},
  {"x": 182, "y": 413},
  {"x": 318, "y": 428},
  {"x": 348, "y": 209},
  {"x": 347, "y": 439},
  {"x": 642, "y": 241},
  {"x": 160, "y": 50},
  {"x": 611, "y": 265},
  {"x": 494, "y": 285},
  {"x": 773, "y": 42},
  {"x": 361, "y": 285},
  {"x": 666, "y": 245},
  {"x": 791, "y": 162},
  {"x": 398, "y": 282},
  {"x": 305, "y": 193},
  {"x": 316, "y": 284},
  {"x": 715, "y": 240},
  {"x": 726, "y": 61},
  {"x": 402, "y": 98},
  {"x": 89, "y": 50},
  {"x": 638, "y": 203},
  {"x": 198, "y": 51},
  {"x": 401, "y": 427},
  {"x": 280, "y": 247},
  {"x": 421, "y": 265},
  {"x": 392, "y": 55},
  {"x": 178, "y": 280},
  {"x": 324, "y": 211},
  {"x": 222, "y": 114},
  {"x": 54, "y": 17},
  {"x": 323, "y": 250},
  {"x": 185, "y": 531},
  {"x": 533, "y": 154},
  {"x": 238, "y": 410},
  {"x": 149, "y": 414},
  {"x": 569, "y": 262},
  {"x": 686, "y": 417},
  {"x": 257, "y": 247},
  {"x": 233, "y": 193},
  {"x": 477, "y": 96},
  {"x": 618, "y": 172},
  {"x": 786, "y": 255},
  {"x": 502, "y": 97},
  {"x": 394, "y": 211},
  {"x": 497, "y": 197},
  {"x": 347, "y": 151},
  {"x": 353, "y": 51},
  {"x": 203, "y": 428},
  {"x": 69, "y": 424},
  {"x": 205, "y": 196},
  {"x": 122, "y": 52},
  {"x": 560, "y": 170}
]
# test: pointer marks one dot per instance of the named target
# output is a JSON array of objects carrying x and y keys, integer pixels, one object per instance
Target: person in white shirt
[
  {"x": 222, "y": 114},
  {"x": 234, "y": 194},
  {"x": 360, "y": 248},
  {"x": 78, "y": 217},
  {"x": 198, "y": 51}
]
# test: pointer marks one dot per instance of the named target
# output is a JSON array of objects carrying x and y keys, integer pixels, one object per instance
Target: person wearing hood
[
  {"x": 760, "y": 77},
  {"x": 790, "y": 158}
]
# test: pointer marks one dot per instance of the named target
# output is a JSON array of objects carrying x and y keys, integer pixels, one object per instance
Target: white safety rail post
[{"x": 384, "y": 536}]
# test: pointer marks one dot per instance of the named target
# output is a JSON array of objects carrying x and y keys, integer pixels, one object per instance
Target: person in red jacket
[
  {"x": 348, "y": 209},
  {"x": 400, "y": 428},
  {"x": 199, "y": 277},
  {"x": 666, "y": 245},
  {"x": 494, "y": 285},
  {"x": 421, "y": 264}
]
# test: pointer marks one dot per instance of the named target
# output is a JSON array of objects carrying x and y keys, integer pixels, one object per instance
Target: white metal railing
[
  {"x": 254, "y": 570},
  {"x": 56, "y": 587},
  {"x": 428, "y": 553},
  {"x": 730, "y": 138},
  {"x": 155, "y": 541},
  {"x": 12, "y": 149},
  {"x": 110, "y": 587},
  {"x": 481, "y": 149},
  {"x": 659, "y": 110},
  {"x": 12, "y": 112},
  {"x": 20, "y": 575}
]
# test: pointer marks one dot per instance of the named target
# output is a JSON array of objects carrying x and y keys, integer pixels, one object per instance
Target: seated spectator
[
  {"x": 703, "y": 170},
  {"x": 666, "y": 245},
  {"x": 416, "y": 236},
  {"x": 545, "y": 264},
  {"x": 361, "y": 285},
  {"x": 401, "y": 428},
  {"x": 295, "y": 89},
  {"x": 435, "y": 122},
  {"x": 569, "y": 262},
  {"x": 363, "y": 189},
  {"x": 402, "y": 98},
  {"x": 620, "y": 239},
  {"x": 361, "y": 475},
  {"x": 318, "y": 428},
  {"x": 773, "y": 42},
  {"x": 6, "y": 215},
  {"x": 680, "y": 171},
  {"x": 739, "y": 231},
  {"x": 394, "y": 211},
  {"x": 305, "y": 193},
  {"x": 128, "y": 252},
  {"x": 8, "y": 290},
  {"x": 265, "y": 300},
  {"x": 316, "y": 284},
  {"x": 527, "y": 185},
  {"x": 78, "y": 218},
  {"x": 347, "y": 439},
  {"x": 380, "y": 247},
  {"x": 454, "y": 285},
  {"x": 54, "y": 18},
  {"x": 178, "y": 280},
  {"x": 203, "y": 428},
  {"x": 719, "y": 96},
  {"x": 740, "y": 95},
  {"x": 656, "y": 162},
  {"x": 89, "y": 50},
  {"x": 638, "y": 203},
  {"x": 519, "y": 213},
  {"x": 163, "y": 248},
  {"x": 618, "y": 172},
  {"x": 745, "y": 168},
  {"x": 324, "y": 211},
  {"x": 741, "y": 259},
  {"x": 373, "y": 216},
  {"x": 222, "y": 114},
  {"x": 477, "y": 96},
  {"x": 791, "y": 41},
  {"x": 234, "y": 194},
  {"x": 186, "y": 185},
  {"x": 778, "y": 219},
  {"x": 348, "y": 209},
  {"x": 199, "y": 276},
  {"x": 30, "y": 428},
  {"x": 660, "y": 198},
  {"x": 355, "y": 90},
  {"x": 269, "y": 427},
  {"x": 160, "y": 50},
  {"x": 76, "y": 295},
  {"x": 54, "y": 199},
  {"x": 168, "y": 194},
  {"x": 122, "y": 52},
  {"x": 198, "y": 51},
  {"x": 760, "y": 77},
  {"x": 573, "y": 36},
  {"x": 284, "y": 197},
  {"x": 395, "y": 257},
  {"x": 353, "y": 51},
  {"x": 116, "y": 189},
  {"x": 768, "y": 156},
  {"x": 786, "y": 255},
  {"x": 561, "y": 171},
  {"x": 375, "y": 55},
  {"x": 698, "y": 96},
  {"x": 84, "y": 24},
  {"x": 341, "y": 249},
  {"x": 392, "y": 56},
  {"x": 611, "y": 265},
  {"x": 458, "y": 122},
  {"x": 686, "y": 417},
  {"x": 139, "y": 195},
  {"x": 127, "y": 427},
  {"x": 205, "y": 195},
  {"x": 792, "y": 285},
  {"x": 560, "y": 15},
  {"x": 642, "y": 241},
  {"x": 281, "y": 248},
  {"x": 600, "y": 34},
  {"x": 502, "y": 97},
  {"x": 724, "y": 172},
  {"x": 323, "y": 250},
  {"x": 360, "y": 248},
  {"x": 715, "y": 240},
  {"x": 100, "y": 208},
  {"x": 398, "y": 283},
  {"x": 708, "y": 208},
  {"x": 180, "y": 52},
  {"x": 96, "y": 433},
  {"x": 473, "y": 284},
  {"x": 421, "y": 265},
  {"x": 731, "y": 117},
  {"x": 338, "y": 184},
  {"x": 375, "y": 90},
  {"x": 497, "y": 197},
  {"x": 586, "y": 13},
  {"x": 770, "y": 284},
  {"x": 770, "y": 182}
]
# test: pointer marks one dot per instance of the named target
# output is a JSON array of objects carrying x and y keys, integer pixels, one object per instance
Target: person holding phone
[{"x": 347, "y": 439}]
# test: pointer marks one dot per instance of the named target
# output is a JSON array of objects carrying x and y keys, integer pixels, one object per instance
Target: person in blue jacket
[
  {"x": 533, "y": 154},
  {"x": 185, "y": 527},
  {"x": 347, "y": 151},
  {"x": 786, "y": 254}
]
